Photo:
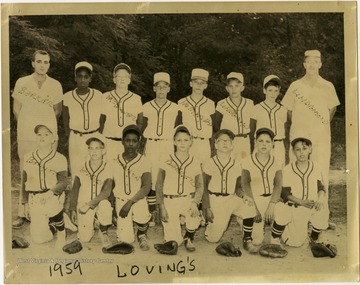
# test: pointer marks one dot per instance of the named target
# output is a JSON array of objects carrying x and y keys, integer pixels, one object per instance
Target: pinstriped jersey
[
  {"x": 161, "y": 119},
  {"x": 271, "y": 118},
  {"x": 235, "y": 118},
  {"x": 127, "y": 175},
  {"x": 84, "y": 110},
  {"x": 196, "y": 116},
  {"x": 41, "y": 172},
  {"x": 120, "y": 112},
  {"x": 261, "y": 176},
  {"x": 92, "y": 180},
  {"x": 180, "y": 176},
  {"x": 223, "y": 177},
  {"x": 303, "y": 185}
]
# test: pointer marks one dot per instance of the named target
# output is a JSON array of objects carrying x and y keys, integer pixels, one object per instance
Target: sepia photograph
[{"x": 194, "y": 142}]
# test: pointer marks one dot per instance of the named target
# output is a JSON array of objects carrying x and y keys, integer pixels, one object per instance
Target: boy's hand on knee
[
  {"x": 257, "y": 218},
  {"x": 308, "y": 203},
  {"x": 194, "y": 210},
  {"x": 164, "y": 217},
  {"x": 73, "y": 217},
  {"x": 126, "y": 209},
  {"x": 209, "y": 216}
]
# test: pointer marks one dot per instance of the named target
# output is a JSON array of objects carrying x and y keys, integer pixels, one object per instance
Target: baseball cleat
[
  {"x": 189, "y": 245},
  {"x": 250, "y": 247}
]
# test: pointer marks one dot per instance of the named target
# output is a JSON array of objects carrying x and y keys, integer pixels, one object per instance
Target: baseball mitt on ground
[
  {"x": 169, "y": 247},
  {"x": 73, "y": 247},
  {"x": 273, "y": 251},
  {"x": 323, "y": 250},
  {"x": 118, "y": 248},
  {"x": 228, "y": 249},
  {"x": 19, "y": 242}
]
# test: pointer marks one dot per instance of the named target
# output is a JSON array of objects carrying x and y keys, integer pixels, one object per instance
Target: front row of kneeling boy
[{"x": 258, "y": 191}]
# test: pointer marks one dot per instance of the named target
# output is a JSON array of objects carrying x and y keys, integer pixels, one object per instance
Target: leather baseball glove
[
  {"x": 273, "y": 251},
  {"x": 73, "y": 247},
  {"x": 169, "y": 247},
  {"x": 228, "y": 249},
  {"x": 19, "y": 242},
  {"x": 118, "y": 248},
  {"x": 323, "y": 250}
]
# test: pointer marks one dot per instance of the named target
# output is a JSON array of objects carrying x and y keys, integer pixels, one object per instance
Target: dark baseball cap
[
  {"x": 301, "y": 139},
  {"x": 265, "y": 131},
  {"x": 224, "y": 132},
  {"x": 134, "y": 129},
  {"x": 38, "y": 127},
  {"x": 122, "y": 66},
  {"x": 94, "y": 139},
  {"x": 182, "y": 129}
]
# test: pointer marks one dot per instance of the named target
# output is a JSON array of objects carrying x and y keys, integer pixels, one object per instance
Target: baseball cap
[
  {"x": 265, "y": 131},
  {"x": 198, "y": 73},
  {"x": 236, "y": 75},
  {"x": 83, "y": 64},
  {"x": 162, "y": 76},
  {"x": 301, "y": 139},
  {"x": 94, "y": 139},
  {"x": 271, "y": 77},
  {"x": 224, "y": 132},
  {"x": 122, "y": 66},
  {"x": 131, "y": 129},
  {"x": 314, "y": 53},
  {"x": 38, "y": 127},
  {"x": 181, "y": 129}
]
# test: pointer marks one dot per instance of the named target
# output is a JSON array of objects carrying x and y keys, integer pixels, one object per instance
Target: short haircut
[
  {"x": 272, "y": 83},
  {"x": 39, "y": 51}
]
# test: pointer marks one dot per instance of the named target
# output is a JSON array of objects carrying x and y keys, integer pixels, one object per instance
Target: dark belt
[
  {"x": 177, "y": 196},
  {"x": 114, "y": 139},
  {"x": 278, "y": 140},
  {"x": 150, "y": 139},
  {"x": 84, "y": 133},
  {"x": 218, "y": 194},
  {"x": 265, "y": 195},
  {"x": 241, "y": 135},
  {"x": 291, "y": 204},
  {"x": 201, "y": 138},
  {"x": 38, "y": 192}
]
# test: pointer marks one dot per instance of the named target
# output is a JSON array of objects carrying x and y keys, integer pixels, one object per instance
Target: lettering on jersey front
[
  {"x": 118, "y": 103},
  {"x": 228, "y": 107},
  {"x": 43, "y": 99},
  {"x": 195, "y": 110},
  {"x": 304, "y": 177},
  {"x": 128, "y": 173},
  {"x": 84, "y": 104}
]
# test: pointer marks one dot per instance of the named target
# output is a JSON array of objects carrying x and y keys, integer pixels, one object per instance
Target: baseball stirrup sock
[
  {"x": 56, "y": 223},
  {"x": 247, "y": 228},
  {"x": 277, "y": 230},
  {"x": 189, "y": 234},
  {"x": 315, "y": 233},
  {"x": 151, "y": 199},
  {"x": 142, "y": 229}
]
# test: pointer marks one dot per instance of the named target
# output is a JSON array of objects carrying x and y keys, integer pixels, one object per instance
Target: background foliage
[{"x": 254, "y": 44}]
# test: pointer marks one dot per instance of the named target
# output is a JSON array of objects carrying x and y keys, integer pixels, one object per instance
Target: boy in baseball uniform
[
  {"x": 120, "y": 108},
  {"x": 233, "y": 113},
  {"x": 132, "y": 176},
  {"x": 44, "y": 181},
  {"x": 90, "y": 192},
  {"x": 81, "y": 114},
  {"x": 179, "y": 189},
  {"x": 197, "y": 113},
  {"x": 269, "y": 114},
  {"x": 159, "y": 121},
  {"x": 223, "y": 195},
  {"x": 304, "y": 199},
  {"x": 37, "y": 100},
  {"x": 262, "y": 178}
]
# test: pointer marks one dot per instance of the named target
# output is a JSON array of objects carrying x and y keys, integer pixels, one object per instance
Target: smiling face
[
  {"x": 96, "y": 150},
  {"x": 182, "y": 141},
  {"x": 271, "y": 93},
  {"x": 224, "y": 144},
  {"x": 264, "y": 144},
  {"x": 41, "y": 64},
  {"x": 312, "y": 65},
  {"x": 302, "y": 151},
  {"x": 44, "y": 137}
]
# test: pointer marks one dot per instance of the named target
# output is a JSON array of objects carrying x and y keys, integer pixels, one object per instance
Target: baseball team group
[{"x": 193, "y": 163}]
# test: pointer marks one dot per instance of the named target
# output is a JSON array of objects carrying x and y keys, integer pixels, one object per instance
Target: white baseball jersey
[
  {"x": 161, "y": 119},
  {"x": 120, "y": 112},
  {"x": 310, "y": 107},
  {"x": 36, "y": 105},
  {"x": 41, "y": 173},
  {"x": 261, "y": 176},
  {"x": 196, "y": 116},
  {"x": 127, "y": 175},
  {"x": 84, "y": 110},
  {"x": 223, "y": 177},
  {"x": 180, "y": 176},
  {"x": 92, "y": 180},
  {"x": 236, "y": 118},
  {"x": 271, "y": 118},
  {"x": 303, "y": 185}
]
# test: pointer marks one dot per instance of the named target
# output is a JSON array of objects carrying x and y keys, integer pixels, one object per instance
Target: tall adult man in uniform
[
  {"x": 312, "y": 103},
  {"x": 37, "y": 100}
]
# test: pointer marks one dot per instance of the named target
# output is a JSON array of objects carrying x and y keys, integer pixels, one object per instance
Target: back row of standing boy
[{"x": 87, "y": 113}]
